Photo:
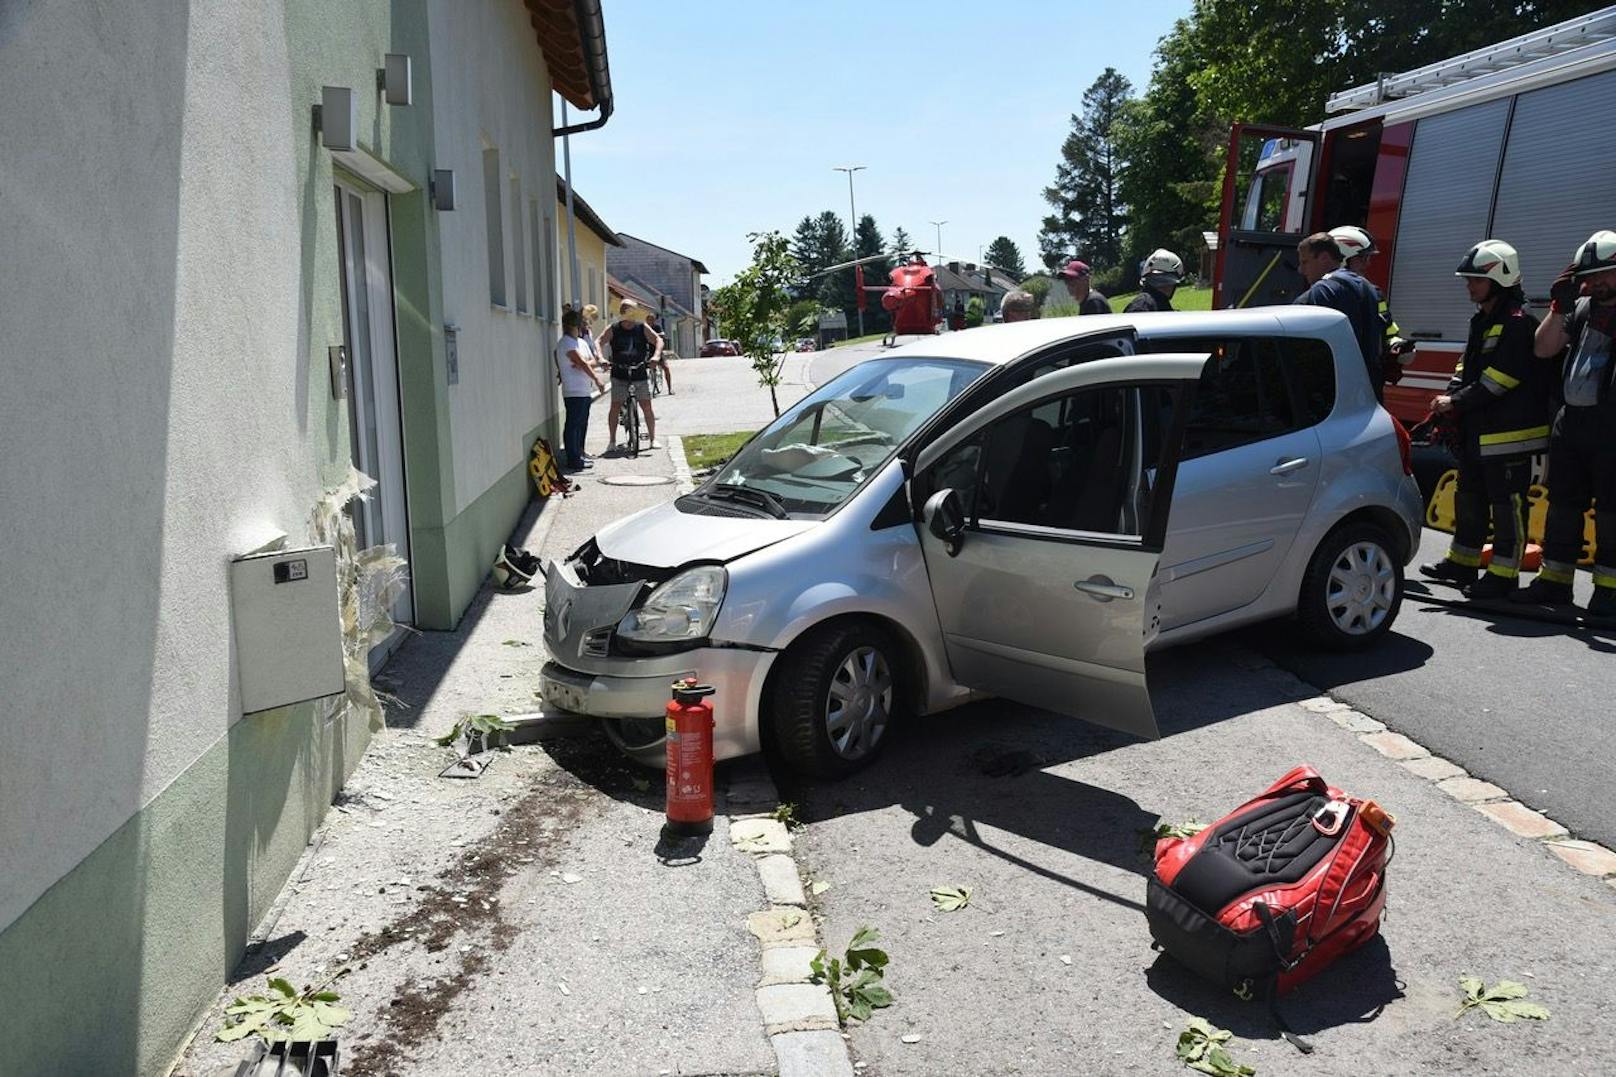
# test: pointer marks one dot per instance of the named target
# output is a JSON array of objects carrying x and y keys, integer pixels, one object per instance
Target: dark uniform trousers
[
  {"x": 1495, "y": 486},
  {"x": 1582, "y": 465}
]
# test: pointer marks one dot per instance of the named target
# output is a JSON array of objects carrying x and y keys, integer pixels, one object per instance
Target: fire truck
[{"x": 1511, "y": 142}]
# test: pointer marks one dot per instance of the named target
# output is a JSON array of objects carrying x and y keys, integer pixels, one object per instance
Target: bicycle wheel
[{"x": 632, "y": 426}]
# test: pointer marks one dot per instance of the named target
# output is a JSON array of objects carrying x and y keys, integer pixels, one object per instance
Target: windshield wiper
[{"x": 728, "y": 491}]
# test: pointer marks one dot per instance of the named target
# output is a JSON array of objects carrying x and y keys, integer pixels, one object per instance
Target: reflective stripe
[
  {"x": 1461, "y": 555},
  {"x": 1514, "y": 448},
  {"x": 1505, "y": 437},
  {"x": 1509, "y": 572},
  {"x": 1558, "y": 572},
  {"x": 1500, "y": 377},
  {"x": 1495, "y": 330},
  {"x": 1604, "y": 577}
]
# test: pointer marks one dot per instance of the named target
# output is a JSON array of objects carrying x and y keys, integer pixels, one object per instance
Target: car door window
[
  {"x": 1075, "y": 462},
  {"x": 1244, "y": 395}
]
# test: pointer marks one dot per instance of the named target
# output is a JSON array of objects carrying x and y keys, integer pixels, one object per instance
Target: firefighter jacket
[{"x": 1499, "y": 390}]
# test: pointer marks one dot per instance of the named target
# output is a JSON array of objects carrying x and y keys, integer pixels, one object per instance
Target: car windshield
[{"x": 812, "y": 458}]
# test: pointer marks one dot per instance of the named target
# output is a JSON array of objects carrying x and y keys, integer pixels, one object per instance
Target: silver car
[{"x": 988, "y": 513}]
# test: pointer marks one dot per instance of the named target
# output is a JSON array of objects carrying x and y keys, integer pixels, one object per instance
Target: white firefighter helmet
[
  {"x": 1597, "y": 254},
  {"x": 1353, "y": 241},
  {"x": 1164, "y": 263},
  {"x": 1493, "y": 259}
]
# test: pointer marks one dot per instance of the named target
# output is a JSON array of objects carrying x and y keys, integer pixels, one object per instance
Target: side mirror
[{"x": 945, "y": 519}]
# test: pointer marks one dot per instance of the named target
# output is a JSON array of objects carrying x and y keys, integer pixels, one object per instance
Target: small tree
[
  {"x": 756, "y": 306},
  {"x": 1004, "y": 254},
  {"x": 974, "y": 312}
]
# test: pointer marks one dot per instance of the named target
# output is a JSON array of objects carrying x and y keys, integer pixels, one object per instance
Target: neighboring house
[
  {"x": 593, "y": 237},
  {"x": 963, "y": 281},
  {"x": 677, "y": 322},
  {"x": 186, "y": 271},
  {"x": 668, "y": 273}
]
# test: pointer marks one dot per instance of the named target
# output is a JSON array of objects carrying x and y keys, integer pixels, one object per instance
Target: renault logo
[{"x": 563, "y": 620}]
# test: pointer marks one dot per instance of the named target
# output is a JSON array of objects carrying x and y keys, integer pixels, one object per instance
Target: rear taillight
[{"x": 1405, "y": 446}]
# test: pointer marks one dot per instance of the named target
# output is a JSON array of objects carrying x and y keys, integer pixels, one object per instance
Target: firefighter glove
[{"x": 1565, "y": 289}]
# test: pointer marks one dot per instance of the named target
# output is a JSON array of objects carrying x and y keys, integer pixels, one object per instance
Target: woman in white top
[{"x": 579, "y": 383}]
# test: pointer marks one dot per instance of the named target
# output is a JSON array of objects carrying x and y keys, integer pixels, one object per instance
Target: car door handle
[
  {"x": 1103, "y": 589},
  {"x": 1285, "y": 467}
]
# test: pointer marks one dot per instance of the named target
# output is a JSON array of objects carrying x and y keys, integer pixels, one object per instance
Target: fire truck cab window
[{"x": 1352, "y": 153}]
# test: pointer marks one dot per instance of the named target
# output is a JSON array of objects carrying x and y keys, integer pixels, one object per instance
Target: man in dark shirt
[
  {"x": 1331, "y": 285},
  {"x": 1159, "y": 277},
  {"x": 632, "y": 348},
  {"x": 1088, "y": 299}
]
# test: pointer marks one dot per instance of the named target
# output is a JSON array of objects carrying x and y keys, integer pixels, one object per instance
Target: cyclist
[
  {"x": 632, "y": 348},
  {"x": 655, "y": 325}
]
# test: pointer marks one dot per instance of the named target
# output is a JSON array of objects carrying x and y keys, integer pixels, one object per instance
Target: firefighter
[
  {"x": 1330, "y": 284},
  {"x": 1159, "y": 277},
  {"x": 1357, "y": 251},
  {"x": 1582, "y": 451},
  {"x": 1499, "y": 396}
]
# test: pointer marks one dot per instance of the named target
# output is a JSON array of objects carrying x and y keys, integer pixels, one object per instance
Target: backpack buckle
[{"x": 1330, "y": 818}]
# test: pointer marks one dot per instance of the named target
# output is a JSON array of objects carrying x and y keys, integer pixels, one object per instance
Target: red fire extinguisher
[{"x": 690, "y": 759}]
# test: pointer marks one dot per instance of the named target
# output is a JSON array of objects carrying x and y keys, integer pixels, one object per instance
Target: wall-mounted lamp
[
  {"x": 394, "y": 80},
  {"x": 336, "y": 117},
  {"x": 442, "y": 188}
]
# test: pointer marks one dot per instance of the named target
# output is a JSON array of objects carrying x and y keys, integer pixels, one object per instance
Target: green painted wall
[{"x": 111, "y": 966}]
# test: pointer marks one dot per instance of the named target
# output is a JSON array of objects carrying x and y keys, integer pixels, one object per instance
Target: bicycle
[{"x": 628, "y": 419}]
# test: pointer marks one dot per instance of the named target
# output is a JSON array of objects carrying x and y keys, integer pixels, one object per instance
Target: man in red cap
[{"x": 1089, "y": 301}]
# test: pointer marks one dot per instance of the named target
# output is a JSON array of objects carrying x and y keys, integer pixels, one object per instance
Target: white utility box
[{"x": 288, "y": 629}]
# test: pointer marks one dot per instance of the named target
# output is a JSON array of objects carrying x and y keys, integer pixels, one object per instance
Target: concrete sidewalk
[
  {"x": 527, "y": 921},
  {"x": 1050, "y": 969}
]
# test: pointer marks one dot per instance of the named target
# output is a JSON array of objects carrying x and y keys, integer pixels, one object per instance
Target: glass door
[{"x": 373, "y": 394}]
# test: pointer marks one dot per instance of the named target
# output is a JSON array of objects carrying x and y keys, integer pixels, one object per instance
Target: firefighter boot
[
  {"x": 1541, "y": 592},
  {"x": 1603, "y": 605},
  {"x": 1450, "y": 572},
  {"x": 1492, "y": 588}
]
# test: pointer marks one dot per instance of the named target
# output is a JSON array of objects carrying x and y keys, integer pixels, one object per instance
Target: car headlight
[{"x": 683, "y": 608}]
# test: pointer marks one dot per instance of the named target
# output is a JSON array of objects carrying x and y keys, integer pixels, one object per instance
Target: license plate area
[{"x": 567, "y": 697}]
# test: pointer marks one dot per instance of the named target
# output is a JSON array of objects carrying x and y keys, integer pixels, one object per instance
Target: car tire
[
  {"x": 836, "y": 693},
  {"x": 1352, "y": 590}
]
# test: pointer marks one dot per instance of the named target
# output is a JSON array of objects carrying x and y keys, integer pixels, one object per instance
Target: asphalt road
[{"x": 1523, "y": 704}]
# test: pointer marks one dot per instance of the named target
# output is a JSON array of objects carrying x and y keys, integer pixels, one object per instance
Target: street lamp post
[
  {"x": 852, "y": 235},
  {"x": 939, "y": 226}
]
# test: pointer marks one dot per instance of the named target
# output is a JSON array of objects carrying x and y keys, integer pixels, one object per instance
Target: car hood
[{"x": 664, "y": 537}]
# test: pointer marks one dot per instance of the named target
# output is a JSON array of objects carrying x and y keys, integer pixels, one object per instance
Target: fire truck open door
[{"x": 1267, "y": 204}]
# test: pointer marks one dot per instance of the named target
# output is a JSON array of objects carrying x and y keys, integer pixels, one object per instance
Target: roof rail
[{"x": 1538, "y": 45}]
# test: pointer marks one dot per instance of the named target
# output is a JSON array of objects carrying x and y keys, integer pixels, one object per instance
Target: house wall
[
  {"x": 591, "y": 264},
  {"x": 490, "y": 90},
  {"x": 168, "y": 293},
  {"x": 669, "y": 273}
]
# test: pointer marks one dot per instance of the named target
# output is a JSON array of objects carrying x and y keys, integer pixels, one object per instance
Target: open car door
[
  {"x": 1043, "y": 514},
  {"x": 1267, "y": 202}
]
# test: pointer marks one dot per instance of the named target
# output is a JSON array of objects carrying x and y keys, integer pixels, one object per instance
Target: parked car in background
[
  {"x": 719, "y": 346},
  {"x": 988, "y": 512},
  {"x": 807, "y": 344}
]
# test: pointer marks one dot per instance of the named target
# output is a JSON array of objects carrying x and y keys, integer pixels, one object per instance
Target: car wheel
[
  {"x": 642, "y": 740},
  {"x": 834, "y": 700},
  {"x": 1352, "y": 590}
]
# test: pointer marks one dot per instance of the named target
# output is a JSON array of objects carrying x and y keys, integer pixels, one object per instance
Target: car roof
[{"x": 1005, "y": 342}]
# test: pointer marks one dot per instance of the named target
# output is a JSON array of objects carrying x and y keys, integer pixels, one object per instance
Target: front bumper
[{"x": 641, "y": 688}]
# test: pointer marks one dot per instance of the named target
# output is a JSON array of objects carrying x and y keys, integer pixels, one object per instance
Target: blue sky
[{"x": 730, "y": 115}]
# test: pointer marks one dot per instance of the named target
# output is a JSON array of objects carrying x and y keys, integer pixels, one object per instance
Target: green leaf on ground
[
  {"x": 1505, "y": 1001},
  {"x": 950, "y": 898},
  {"x": 1201, "y": 1048}
]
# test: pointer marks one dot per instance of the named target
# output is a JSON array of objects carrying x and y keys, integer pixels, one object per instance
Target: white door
[{"x": 373, "y": 397}]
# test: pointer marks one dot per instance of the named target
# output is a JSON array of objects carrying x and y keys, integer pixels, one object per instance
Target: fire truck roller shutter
[
  {"x": 1558, "y": 184},
  {"x": 1447, "y": 196}
]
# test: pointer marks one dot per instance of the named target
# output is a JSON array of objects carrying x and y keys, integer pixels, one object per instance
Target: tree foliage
[
  {"x": 902, "y": 246},
  {"x": 1089, "y": 213},
  {"x": 755, "y": 308},
  {"x": 868, "y": 241},
  {"x": 1003, "y": 254}
]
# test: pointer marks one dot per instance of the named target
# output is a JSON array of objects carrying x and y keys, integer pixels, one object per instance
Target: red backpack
[{"x": 1274, "y": 891}]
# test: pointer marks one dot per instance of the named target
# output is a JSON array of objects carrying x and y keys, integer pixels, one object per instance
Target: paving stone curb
[
  {"x": 799, "y": 1017},
  {"x": 681, "y": 464},
  {"x": 1586, "y": 857}
]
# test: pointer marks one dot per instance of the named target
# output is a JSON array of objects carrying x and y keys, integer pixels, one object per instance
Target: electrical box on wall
[{"x": 287, "y": 625}]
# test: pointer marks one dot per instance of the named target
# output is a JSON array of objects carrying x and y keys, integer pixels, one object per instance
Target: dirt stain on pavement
[{"x": 465, "y": 904}]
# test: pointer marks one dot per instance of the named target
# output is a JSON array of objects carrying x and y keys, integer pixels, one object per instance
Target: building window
[
  {"x": 518, "y": 255},
  {"x": 542, "y": 304},
  {"x": 550, "y": 278},
  {"x": 496, "y": 228}
]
